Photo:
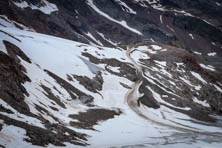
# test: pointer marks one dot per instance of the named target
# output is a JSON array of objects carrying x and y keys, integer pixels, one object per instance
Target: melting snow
[
  {"x": 146, "y": 49},
  {"x": 191, "y": 35},
  {"x": 47, "y": 7},
  {"x": 197, "y": 53},
  {"x": 161, "y": 19},
  {"x": 126, "y": 8},
  {"x": 203, "y": 103},
  {"x": 12, "y": 136},
  {"x": 218, "y": 88},
  {"x": 94, "y": 39},
  {"x": 186, "y": 81},
  {"x": 160, "y": 100},
  {"x": 163, "y": 63},
  {"x": 218, "y": 4},
  {"x": 170, "y": 28},
  {"x": 212, "y": 54},
  {"x": 208, "y": 67},
  {"x": 156, "y": 47},
  {"x": 198, "y": 87},
  {"x": 122, "y": 23},
  {"x": 137, "y": 55},
  {"x": 196, "y": 75},
  {"x": 108, "y": 40},
  {"x": 5, "y": 22}
]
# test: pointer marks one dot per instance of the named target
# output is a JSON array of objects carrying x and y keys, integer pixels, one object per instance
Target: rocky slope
[
  {"x": 107, "y": 88},
  {"x": 194, "y": 25}
]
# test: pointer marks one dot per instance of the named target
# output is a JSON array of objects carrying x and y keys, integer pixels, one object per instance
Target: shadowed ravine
[{"x": 133, "y": 95}]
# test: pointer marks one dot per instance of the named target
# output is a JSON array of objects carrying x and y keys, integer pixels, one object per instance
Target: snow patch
[
  {"x": 218, "y": 88},
  {"x": 156, "y": 47},
  {"x": 203, "y": 103},
  {"x": 196, "y": 75},
  {"x": 161, "y": 19},
  {"x": 162, "y": 63},
  {"x": 45, "y": 7},
  {"x": 94, "y": 39},
  {"x": 218, "y": 4},
  {"x": 12, "y": 136},
  {"x": 208, "y": 67},
  {"x": 5, "y": 22},
  {"x": 212, "y": 54},
  {"x": 108, "y": 40},
  {"x": 197, "y": 53},
  {"x": 191, "y": 35},
  {"x": 213, "y": 43},
  {"x": 137, "y": 55},
  {"x": 122, "y": 23},
  {"x": 125, "y": 7}
]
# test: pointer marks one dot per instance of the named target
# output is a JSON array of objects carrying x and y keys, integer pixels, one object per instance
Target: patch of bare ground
[
  {"x": 92, "y": 117},
  {"x": 12, "y": 77},
  {"x": 51, "y": 96},
  {"x": 94, "y": 85},
  {"x": 73, "y": 91},
  {"x": 15, "y": 51}
]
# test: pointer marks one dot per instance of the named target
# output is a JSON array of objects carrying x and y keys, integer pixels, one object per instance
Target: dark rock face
[
  {"x": 209, "y": 10},
  {"x": 76, "y": 18},
  {"x": 70, "y": 89},
  {"x": 14, "y": 51},
  {"x": 92, "y": 117},
  {"x": 93, "y": 85},
  {"x": 12, "y": 77},
  {"x": 199, "y": 27},
  {"x": 51, "y": 96},
  {"x": 199, "y": 7},
  {"x": 147, "y": 98}
]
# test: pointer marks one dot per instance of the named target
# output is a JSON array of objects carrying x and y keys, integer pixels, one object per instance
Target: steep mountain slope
[
  {"x": 56, "y": 92},
  {"x": 194, "y": 25},
  {"x": 107, "y": 88}
]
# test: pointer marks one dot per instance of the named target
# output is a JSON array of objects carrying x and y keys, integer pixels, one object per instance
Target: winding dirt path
[{"x": 133, "y": 95}]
